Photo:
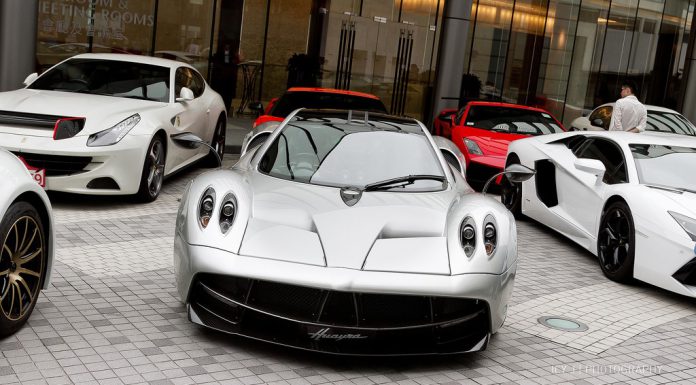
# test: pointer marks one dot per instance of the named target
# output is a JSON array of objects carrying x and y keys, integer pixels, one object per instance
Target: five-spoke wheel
[
  {"x": 153, "y": 171},
  {"x": 616, "y": 242}
]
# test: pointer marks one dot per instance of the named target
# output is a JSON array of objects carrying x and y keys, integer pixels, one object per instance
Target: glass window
[
  {"x": 511, "y": 120},
  {"x": 123, "y": 26},
  {"x": 107, "y": 77},
  {"x": 665, "y": 165},
  {"x": 645, "y": 36},
  {"x": 611, "y": 156},
  {"x": 524, "y": 53},
  {"x": 333, "y": 152},
  {"x": 185, "y": 77},
  {"x": 669, "y": 122},
  {"x": 490, "y": 45},
  {"x": 603, "y": 114}
]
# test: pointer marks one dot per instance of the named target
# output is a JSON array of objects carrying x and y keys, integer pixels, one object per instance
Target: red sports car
[
  {"x": 483, "y": 131},
  {"x": 318, "y": 98}
]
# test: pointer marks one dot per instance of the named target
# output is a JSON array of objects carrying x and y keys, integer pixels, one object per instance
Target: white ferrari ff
[
  {"x": 346, "y": 232},
  {"x": 103, "y": 123},
  {"x": 26, "y": 241},
  {"x": 628, "y": 198}
]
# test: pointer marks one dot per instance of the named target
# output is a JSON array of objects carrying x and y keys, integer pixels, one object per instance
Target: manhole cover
[{"x": 565, "y": 324}]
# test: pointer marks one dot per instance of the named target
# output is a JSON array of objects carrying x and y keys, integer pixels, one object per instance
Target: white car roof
[
  {"x": 133, "y": 59},
  {"x": 646, "y": 137},
  {"x": 648, "y": 107}
]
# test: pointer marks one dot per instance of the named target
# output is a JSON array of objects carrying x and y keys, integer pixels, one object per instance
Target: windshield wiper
[
  {"x": 401, "y": 182},
  {"x": 670, "y": 188}
]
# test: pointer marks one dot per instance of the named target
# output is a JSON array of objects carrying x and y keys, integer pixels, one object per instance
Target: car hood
[
  {"x": 384, "y": 231},
  {"x": 491, "y": 143},
  {"x": 100, "y": 112},
  {"x": 684, "y": 203}
]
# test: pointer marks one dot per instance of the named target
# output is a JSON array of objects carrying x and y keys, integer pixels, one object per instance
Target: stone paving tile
[{"x": 112, "y": 316}]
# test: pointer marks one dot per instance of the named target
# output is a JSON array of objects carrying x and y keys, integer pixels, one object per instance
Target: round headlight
[
  {"x": 228, "y": 212},
  {"x": 467, "y": 236},
  {"x": 206, "y": 206},
  {"x": 490, "y": 235}
]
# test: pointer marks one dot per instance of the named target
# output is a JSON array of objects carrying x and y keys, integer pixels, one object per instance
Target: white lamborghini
[
  {"x": 628, "y": 198},
  {"x": 346, "y": 232},
  {"x": 103, "y": 123},
  {"x": 26, "y": 243}
]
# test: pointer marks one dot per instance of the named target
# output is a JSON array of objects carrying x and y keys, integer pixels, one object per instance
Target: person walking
[{"x": 629, "y": 113}]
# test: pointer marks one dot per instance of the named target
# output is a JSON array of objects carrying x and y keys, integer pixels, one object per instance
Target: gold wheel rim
[{"x": 21, "y": 267}]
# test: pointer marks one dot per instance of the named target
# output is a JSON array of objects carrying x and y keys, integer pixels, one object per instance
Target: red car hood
[{"x": 491, "y": 143}]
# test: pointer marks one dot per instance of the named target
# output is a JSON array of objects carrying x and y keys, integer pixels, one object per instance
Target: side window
[
  {"x": 604, "y": 114},
  {"x": 190, "y": 79},
  {"x": 610, "y": 155}
]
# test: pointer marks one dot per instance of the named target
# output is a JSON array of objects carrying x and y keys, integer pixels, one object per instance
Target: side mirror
[
  {"x": 598, "y": 123},
  {"x": 446, "y": 116},
  {"x": 185, "y": 95},
  {"x": 192, "y": 141},
  {"x": 592, "y": 166},
  {"x": 30, "y": 79},
  {"x": 516, "y": 173},
  {"x": 256, "y": 107}
]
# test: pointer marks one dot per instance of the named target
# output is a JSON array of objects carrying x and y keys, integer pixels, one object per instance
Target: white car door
[
  {"x": 189, "y": 116},
  {"x": 581, "y": 194}
]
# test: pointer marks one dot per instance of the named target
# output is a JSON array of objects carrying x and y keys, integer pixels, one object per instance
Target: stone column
[
  {"x": 17, "y": 41},
  {"x": 451, "y": 55}
]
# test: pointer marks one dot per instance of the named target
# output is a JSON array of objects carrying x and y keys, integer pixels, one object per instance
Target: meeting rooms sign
[{"x": 109, "y": 19}]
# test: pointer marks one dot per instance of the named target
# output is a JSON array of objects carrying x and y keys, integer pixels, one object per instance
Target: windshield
[
  {"x": 107, "y": 77},
  {"x": 324, "y": 100},
  {"x": 669, "y": 122},
  {"x": 511, "y": 120},
  {"x": 662, "y": 165},
  {"x": 332, "y": 152}
]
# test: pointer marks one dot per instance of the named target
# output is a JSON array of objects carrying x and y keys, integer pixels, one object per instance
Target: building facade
[{"x": 567, "y": 56}]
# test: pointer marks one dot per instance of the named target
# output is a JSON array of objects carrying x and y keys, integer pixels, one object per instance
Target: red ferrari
[
  {"x": 318, "y": 98},
  {"x": 483, "y": 131}
]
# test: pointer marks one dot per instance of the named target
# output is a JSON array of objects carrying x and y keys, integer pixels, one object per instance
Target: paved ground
[{"x": 112, "y": 316}]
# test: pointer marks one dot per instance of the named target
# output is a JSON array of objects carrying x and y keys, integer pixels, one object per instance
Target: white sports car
[
  {"x": 628, "y": 198},
  {"x": 659, "y": 119},
  {"x": 103, "y": 123},
  {"x": 346, "y": 232},
  {"x": 26, "y": 243}
]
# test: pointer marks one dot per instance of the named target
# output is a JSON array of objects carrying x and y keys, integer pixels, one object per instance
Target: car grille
[
  {"x": 687, "y": 274},
  {"x": 339, "y": 322},
  {"x": 56, "y": 165}
]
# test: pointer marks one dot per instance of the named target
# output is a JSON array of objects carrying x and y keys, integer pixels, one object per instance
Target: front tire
[
  {"x": 616, "y": 243},
  {"x": 22, "y": 264},
  {"x": 218, "y": 144},
  {"x": 153, "y": 171}
]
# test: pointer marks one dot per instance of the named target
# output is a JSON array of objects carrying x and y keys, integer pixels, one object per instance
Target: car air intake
[
  {"x": 68, "y": 127},
  {"x": 63, "y": 127}
]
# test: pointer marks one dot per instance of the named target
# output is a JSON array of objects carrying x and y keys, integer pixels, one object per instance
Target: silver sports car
[{"x": 346, "y": 232}]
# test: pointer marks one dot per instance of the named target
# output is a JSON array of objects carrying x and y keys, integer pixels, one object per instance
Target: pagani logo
[{"x": 324, "y": 334}]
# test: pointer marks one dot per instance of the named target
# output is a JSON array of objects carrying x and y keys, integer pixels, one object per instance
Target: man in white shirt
[{"x": 629, "y": 113}]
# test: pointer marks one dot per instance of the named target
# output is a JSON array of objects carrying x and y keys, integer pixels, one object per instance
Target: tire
[
  {"x": 152, "y": 175},
  {"x": 511, "y": 193},
  {"x": 616, "y": 243},
  {"x": 218, "y": 144},
  {"x": 22, "y": 265}
]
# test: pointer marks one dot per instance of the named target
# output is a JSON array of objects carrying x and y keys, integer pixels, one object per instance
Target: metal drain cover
[{"x": 561, "y": 323}]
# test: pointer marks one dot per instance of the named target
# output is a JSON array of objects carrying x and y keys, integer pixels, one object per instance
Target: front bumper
[
  {"x": 73, "y": 167},
  {"x": 337, "y": 310}
]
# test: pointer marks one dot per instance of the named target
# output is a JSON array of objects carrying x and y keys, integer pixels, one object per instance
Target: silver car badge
[{"x": 351, "y": 195}]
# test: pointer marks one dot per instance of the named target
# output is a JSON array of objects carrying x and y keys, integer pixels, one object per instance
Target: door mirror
[
  {"x": 185, "y": 95},
  {"x": 517, "y": 173},
  {"x": 592, "y": 166},
  {"x": 447, "y": 116},
  {"x": 30, "y": 79},
  {"x": 256, "y": 107},
  {"x": 598, "y": 123}
]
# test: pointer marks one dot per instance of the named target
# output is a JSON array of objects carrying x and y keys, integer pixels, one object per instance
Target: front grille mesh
[
  {"x": 56, "y": 165},
  {"x": 335, "y": 308}
]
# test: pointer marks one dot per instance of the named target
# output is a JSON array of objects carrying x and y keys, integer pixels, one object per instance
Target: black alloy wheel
[
  {"x": 153, "y": 171},
  {"x": 616, "y": 243},
  {"x": 22, "y": 264},
  {"x": 218, "y": 144}
]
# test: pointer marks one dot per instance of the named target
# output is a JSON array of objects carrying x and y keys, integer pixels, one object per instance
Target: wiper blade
[{"x": 401, "y": 181}]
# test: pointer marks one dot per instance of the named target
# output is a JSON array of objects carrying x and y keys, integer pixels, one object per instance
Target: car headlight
[
  {"x": 490, "y": 235},
  {"x": 228, "y": 211},
  {"x": 114, "y": 134},
  {"x": 206, "y": 206},
  {"x": 467, "y": 236},
  {"x": 686, "y": 223},
  {"x": 472, "y": 147}
]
